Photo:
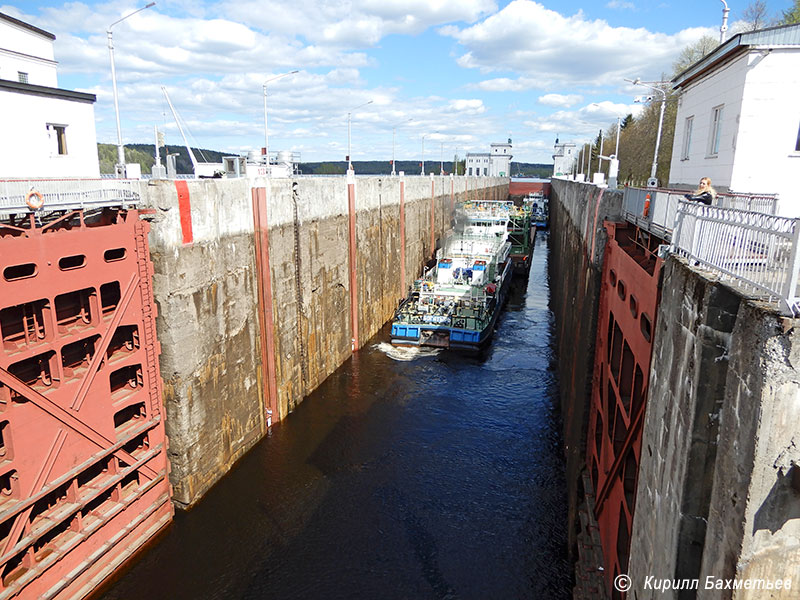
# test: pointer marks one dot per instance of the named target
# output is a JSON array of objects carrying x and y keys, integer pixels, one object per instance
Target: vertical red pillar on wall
[
  {"x": 351, "y": 204},
  {"x": 402, "y": 237},
  {"x": 433, "y": 220},
  {"x": 185, "y": 210},
  {"x": 265, "y": 317}
]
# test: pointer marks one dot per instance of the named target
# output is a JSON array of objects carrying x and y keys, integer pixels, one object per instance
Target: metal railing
[
  {"x": 761, "y": 252},
  {"x": 23, "y": 195},
  {"x": 739, "y": 237},
  {"x": 655, "y": 209}
]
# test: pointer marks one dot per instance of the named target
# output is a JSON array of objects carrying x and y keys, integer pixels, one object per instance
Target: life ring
[{"x": 34, "y": 204}]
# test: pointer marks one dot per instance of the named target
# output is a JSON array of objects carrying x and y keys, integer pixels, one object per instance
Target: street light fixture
[
  {"x": 422, "y": 171},
  {"x": 394, "y": 129},
  {"x": 349, "y": 156},
  {"x": 653, "y": 182},
  {"x": 120, "y": 166},
  {"x": 724, "y": 27},
  {"x": 266, "y": 131}
]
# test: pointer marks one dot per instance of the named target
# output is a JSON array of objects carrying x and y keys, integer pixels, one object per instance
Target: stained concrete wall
[
  {"x": 715, "y": 495},
  {"x": 207, "y": 296},
  {"x": 577, "y": 212}
]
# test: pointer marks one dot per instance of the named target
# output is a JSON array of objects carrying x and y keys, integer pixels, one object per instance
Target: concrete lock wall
[
  {"x": 577, "y": 212},
  {"x": 718, "y": 494},
  {"x": 207, "y": 289}
]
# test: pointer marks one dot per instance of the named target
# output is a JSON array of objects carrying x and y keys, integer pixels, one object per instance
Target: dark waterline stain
[{"x": 440, "y": 477}]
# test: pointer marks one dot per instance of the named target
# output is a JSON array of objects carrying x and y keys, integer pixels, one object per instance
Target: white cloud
[
  {"x": 536, "y": 42},
  {"x": 355, "y": 24},
  {"x": 621, "y": 5},
  {"x": 505, "y": 84},
  {"x": 560, "y": 100},
  {"x": 583, "y": 123},
  {"x": 472, "y": 107}
]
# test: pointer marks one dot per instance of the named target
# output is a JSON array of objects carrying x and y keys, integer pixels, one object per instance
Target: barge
[{"x": 457, "y": 302}]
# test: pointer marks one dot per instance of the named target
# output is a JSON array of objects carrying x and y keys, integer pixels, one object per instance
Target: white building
[
  {"x": 738, "y": 118},
  {"x": 496, "y": 163},
  {"x": 47, "y": 131},
  {"x": 564, "y": 156}
]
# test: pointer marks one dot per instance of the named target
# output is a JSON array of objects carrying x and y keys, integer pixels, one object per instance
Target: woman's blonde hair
[{"x": 709, "y": 189}]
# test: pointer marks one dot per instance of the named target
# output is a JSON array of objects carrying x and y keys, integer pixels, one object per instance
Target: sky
[{"x": 450, "y": 75}]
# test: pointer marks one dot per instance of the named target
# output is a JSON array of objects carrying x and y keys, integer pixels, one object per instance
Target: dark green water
[{"x": 435, "y": 476}]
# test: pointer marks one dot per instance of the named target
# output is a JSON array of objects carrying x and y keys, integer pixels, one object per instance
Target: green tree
[
  {"x": 792, "y": 15},
  {"x": 328, "y": 168},
  {"x": 692, "y": 53},
  {"x": 755, "y": 16}
]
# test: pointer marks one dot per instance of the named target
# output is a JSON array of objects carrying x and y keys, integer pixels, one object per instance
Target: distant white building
[
  {"x": 738, "y": 118},
  {"x": 47, "y": 131},
  {"x": 496, "y": 163},
  {"x": 564, "y": 157}
]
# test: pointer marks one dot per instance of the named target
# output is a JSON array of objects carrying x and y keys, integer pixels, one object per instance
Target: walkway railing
[
  {"x": 23, "y": 195},
  {"x": 752, "y": 246}
]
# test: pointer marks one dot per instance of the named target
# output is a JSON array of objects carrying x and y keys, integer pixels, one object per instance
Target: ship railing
[
  {"x": 24, "y": 195},
  {"x": 758, "y": 252},
  {"x": 656, "y": 209}
]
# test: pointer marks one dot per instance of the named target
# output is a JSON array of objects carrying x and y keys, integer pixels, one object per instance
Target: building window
[
  {"x": 716, "y": 130},
  {"x": 23, "y": 77},
  {"x": 687, "y": 138},
  {"x": 470, "y": 171},
  {"x": 59, "y": 132}
]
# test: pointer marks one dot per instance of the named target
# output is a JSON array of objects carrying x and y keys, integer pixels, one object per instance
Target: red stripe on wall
[{"x": 185, "y": 208}]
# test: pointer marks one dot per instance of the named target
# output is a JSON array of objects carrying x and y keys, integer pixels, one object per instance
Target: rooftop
[
  {"x": 29, "y": 27},
  {"x": 782, "y": 36}
]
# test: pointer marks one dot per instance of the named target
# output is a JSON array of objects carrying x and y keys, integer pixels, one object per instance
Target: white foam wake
[{"x": 405, "y": 353}]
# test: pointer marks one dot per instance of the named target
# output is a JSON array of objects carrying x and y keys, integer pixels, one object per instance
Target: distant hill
[
  {"x": 413, "y": 167},
  {"x": 144, "y": 155}
]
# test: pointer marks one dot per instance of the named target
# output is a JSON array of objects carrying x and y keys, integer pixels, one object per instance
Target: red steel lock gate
[{"x": 83, "y": 461}]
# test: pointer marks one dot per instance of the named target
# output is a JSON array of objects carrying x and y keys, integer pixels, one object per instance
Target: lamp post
[
  {"x": 441, "y": 159},
  {"x": 394, "y": 129},
  {"x": 653, "y": 182},
  {"x": 724, "y": 27},
  {"x": 349, "y": 157},
  {"x": 266, "y": 131},
  {"x": 422, "y": 172},
  {"x": 120, "y": 166}
]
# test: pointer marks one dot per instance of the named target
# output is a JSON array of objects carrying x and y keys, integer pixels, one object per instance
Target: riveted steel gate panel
[{"x": 83, "y": 462}]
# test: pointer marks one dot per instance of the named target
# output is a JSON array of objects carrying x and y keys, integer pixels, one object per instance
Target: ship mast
[{"x": 178, "y": 123}]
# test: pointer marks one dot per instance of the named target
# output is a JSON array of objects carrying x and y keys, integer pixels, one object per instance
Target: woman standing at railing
[{"x": 704, "y": 193}]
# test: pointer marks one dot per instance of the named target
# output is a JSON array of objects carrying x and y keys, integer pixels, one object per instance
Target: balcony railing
[
  {"x": 23, "y": 195},
  {"x": 739, "y": 237}
]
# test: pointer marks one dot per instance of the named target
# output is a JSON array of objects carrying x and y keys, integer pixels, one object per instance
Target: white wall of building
[
  {"x": 766, "y": 160},
  {"x": 479, "y": 164},
  {"x": 24, "y": 50},
  {"x": 500, "y": 160},
  {"x": 723, "y": 87},
  {"x": 761, "y": 116},
  {"x": 28, "y": 150},
  {"x": 564, "y": 158}
]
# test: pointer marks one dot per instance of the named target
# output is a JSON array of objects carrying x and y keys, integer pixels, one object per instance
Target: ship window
[
  {"x": 22, "y": 76},
  {"x": 613, "y": 277},
  {"x": 621, "y": 290}
]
